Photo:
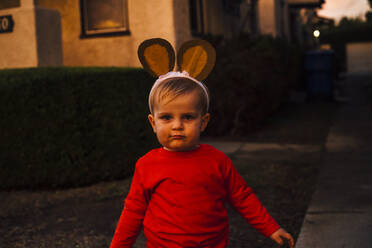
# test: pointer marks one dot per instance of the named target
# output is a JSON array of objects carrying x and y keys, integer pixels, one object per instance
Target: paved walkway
[{"x": 340, "y": 213}]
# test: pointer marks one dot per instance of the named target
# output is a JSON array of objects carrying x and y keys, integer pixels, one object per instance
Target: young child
[{"x": 179, "y": 191}]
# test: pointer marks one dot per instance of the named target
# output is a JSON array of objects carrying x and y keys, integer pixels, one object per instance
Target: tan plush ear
[
  {"x": 156, "y": 56},
  {"x": 197, "y": 57}
]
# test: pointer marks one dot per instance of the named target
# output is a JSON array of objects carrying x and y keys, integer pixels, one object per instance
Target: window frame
[
  {"x": 231, "y": 8},
  {"x": 196, "y": 15},
  {"x": 10, "y": 4},
  {"x": 85, "y": 33}
]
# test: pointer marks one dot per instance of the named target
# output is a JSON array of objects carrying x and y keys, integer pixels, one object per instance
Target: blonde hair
[{"x": 173, "y": 87}]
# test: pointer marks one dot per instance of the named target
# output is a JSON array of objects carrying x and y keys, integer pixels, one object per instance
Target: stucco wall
[
  {"x": 359, "y": 57},
  {"x": 145, "y": 21},
  {"x": 273, "y": 18},
  {"x": 168, "y": 19},
  {"x": 19, "y": 48},
  {"x": 35, "y": 40},
  {"x": 266, "y": 17},
  {"x": 181, "y": 16}
]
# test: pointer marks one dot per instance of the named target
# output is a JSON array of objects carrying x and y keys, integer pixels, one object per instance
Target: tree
[{"x": 346, "y": 22}]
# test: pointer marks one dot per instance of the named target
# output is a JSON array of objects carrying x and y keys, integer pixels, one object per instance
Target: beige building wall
[
  {"x": 273, "y": 18},
  {"x": 168, "y": 19},
  {"x": 18, "y": 48},
  {"x": 35, "y": 40},
  {"x": 267, "y": 17},
  {"x": 181, "y": 17},
  {"x": 145, "y": 21}
]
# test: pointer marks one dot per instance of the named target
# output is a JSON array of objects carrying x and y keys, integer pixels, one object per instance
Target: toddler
[{"x": 179, "y": 191}]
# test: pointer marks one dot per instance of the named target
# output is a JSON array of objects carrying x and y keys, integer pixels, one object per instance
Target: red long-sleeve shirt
[{"x": 180, "y": 197}]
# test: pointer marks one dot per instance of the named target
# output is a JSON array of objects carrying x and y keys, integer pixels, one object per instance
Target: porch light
[{"x": 316, "y": 33}]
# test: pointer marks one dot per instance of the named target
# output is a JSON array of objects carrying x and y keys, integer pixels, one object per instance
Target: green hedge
[
  {"x": 66, "y": 127},
  {"x": 252, "y": 77}
]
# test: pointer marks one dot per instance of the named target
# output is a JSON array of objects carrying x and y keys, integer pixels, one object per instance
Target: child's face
[{"x": 179, "y": 122}]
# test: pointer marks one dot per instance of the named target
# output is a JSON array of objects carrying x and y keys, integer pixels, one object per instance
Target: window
[
  {"x": 232, "y": 7},
  {"x": 196, "y": 17},
  {"x": 253, "y": 16},
  {"x": 104, "y": 18},
  {"x": 249, "y": 19},
  {"x": 5, "y": 4}
]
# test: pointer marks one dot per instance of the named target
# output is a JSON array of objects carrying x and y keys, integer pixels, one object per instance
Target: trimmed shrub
[
  {"x": 67, "y": 127},
  {"x": 251, "y": 79}
]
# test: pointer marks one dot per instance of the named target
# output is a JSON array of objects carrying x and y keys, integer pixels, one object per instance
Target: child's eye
[
  {"x": 189, "y": 117},
  {"x": 165, "y": 117}
]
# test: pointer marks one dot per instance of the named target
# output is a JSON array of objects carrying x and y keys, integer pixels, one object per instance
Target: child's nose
[{"x": 177, "y": 124}]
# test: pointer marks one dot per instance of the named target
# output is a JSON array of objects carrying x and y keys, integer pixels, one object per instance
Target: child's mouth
[{"x": 177, "y": 137}]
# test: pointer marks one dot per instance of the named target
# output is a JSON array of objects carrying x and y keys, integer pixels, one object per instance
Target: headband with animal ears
[{"x": 196, "y": 57}]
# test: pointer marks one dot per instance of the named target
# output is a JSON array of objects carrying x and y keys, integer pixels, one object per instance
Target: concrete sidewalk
[{"x": 340, "y": 213}]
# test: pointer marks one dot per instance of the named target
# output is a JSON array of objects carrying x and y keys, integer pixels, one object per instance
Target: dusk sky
[{"x": 339, "y": 8}]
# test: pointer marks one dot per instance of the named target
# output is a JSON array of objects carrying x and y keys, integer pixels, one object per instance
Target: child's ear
[
  {"x": 152, "y": 122},
  {"x": 205, "y": 119}
]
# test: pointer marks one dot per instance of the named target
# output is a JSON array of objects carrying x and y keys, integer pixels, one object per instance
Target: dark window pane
[
  {"x": 5, "y": 4},
  {"x": 196, "y": 17},
  {"x": 104, "y": 16},
  {"x": 193, "y": 16}
]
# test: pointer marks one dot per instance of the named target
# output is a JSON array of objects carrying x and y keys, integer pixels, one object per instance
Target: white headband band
[{"x": 175, "y": 74}]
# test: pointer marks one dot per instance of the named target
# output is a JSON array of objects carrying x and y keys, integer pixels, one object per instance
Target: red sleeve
[
  {"x": 246, "y": 202},
  {"x": 130, "y": 222}
]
